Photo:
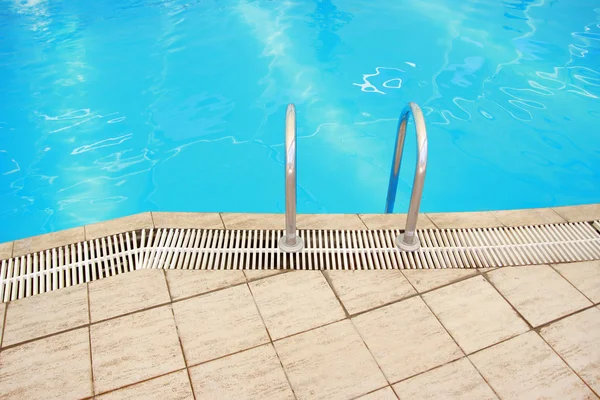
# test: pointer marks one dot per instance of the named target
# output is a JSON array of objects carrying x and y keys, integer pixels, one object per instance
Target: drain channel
[{"x": 87, "y": 261}]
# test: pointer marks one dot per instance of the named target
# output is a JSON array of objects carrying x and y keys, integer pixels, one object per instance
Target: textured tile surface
[
  {"x": 382, "y": 394},
  {"x": 475, "y": 314},
  {"x": 134, "y": 347},
  {"x": 331, "y": 362},
  {"x": 186, "y": 283},
  {"x": 6, "y": 250},
  {"x": 394, "y": 221},
  {"x": 538, "y": 292},
  {"x": 253, "y": 221},
  {"x": 424, "y": 280},
  {"x": 457, "y": 380},
  {"x": 585, "y": 276},
  {"x": 114, "y": 226},
  {"x": 406, "y": 339},
  {"x": 464, "y": 220},
  {"x": 174, "y": 386},
  {"x": 330, "y": 221},
  {"x": 525, "y": 367},
  {"x": 588, "y": 212},
  {"x": 127, "y": 292},
  {"x": 57, "y": 367},
  {"x": 362, "y": 290},
  {"x": 47, "y": 241},
  {"x": 219, "y": 323},
  {"x": 577, "y": 340},
  {"x": 251, "y": 374},
  {"x": 184, "y": 220},
  {"x": 38, "y": 316},
  {"x": 533, "y": 216},
  {"x": 287, "y": 308}
]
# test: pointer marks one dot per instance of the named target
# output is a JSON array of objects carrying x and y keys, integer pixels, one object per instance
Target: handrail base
[
  {"x": 290, "y": 248},
  {"x": 405, "y": 246}
]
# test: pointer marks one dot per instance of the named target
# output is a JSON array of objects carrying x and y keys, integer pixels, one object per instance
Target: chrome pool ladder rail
[
  {"x": 408, "y": 241},
  {"x": 290, "y": 242}
]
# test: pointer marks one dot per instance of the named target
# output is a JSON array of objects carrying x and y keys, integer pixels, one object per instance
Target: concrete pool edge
[{"x": 247, "y": 221}]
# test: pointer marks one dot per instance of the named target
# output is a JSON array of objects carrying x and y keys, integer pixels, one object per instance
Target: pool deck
[{"x": 523, "y": 332}]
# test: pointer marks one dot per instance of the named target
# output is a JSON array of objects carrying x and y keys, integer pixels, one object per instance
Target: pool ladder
[{"x": 290, "y": 242}]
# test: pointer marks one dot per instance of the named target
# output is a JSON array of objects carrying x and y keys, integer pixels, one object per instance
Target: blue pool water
[{"x": 113, "y": 107}]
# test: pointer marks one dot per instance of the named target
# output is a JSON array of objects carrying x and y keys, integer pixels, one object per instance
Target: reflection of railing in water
[{"x": 408, "y": 240}]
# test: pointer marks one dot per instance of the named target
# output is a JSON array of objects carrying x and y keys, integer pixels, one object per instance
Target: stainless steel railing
[
  {"x": 290, "y": 242},
  {"x": 408, "y": 240}
]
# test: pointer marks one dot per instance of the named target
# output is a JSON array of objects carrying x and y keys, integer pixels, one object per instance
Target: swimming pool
[{"x": 109, "y": 108}]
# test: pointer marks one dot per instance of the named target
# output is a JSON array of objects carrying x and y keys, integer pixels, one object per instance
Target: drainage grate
[{"x": 324, "y": 249}]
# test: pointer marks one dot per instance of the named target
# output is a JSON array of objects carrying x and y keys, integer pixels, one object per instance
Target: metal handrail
[
  {"x": 290, "y": 242},
  {"x": 408, "y": 240}
]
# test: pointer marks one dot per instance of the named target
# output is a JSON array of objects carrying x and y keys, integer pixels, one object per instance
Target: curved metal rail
[
  {"x": 290, "y": 242},
  {"x": 408, "y": 240}
]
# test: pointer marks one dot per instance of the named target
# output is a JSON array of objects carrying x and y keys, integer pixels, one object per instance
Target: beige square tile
[
  {"x": 464, "y": 220},
  {"x": 175, "y": 386},
  {"x": 475, "y": 314},
  {"x": 587, "y": 212},
  {"x": 42, "y": 315},
  {"x": 532, "y": 216},
  {"x": 363, "y": 290},
  {"x": 525, "y": 367},
  {"x": 57, "y": 367},
  {"x": 119, "y": 225},
  {"x": 251, "y": 374},
  {"x": 186, "y": 283},
  {"x": 394, "y": 221},
  {"x": 330, "y": 221},
  {"x": 457, "y": 380},
  {"x": 330, "y": 362},
  {"x": 538, "y": 292},
  {"x": 6, "y": 250},
  {"x": 48, "y": 241},
  {"x": 219, "y": 323},
  {"x": 184, "y": 220},
  {"x": 295, "y": 302},
  {"x": 127, "y": 292},
  {"x": 585, "y": 276},
  {"x": 406, "y": 339},
  {"x": 382, "y": 394},
  {"x": 577, "y": 340},
  {"x": 252, "y": 275},
  {"x": 253, "y": 221},
  {"x": 426, "y": 279},
  {"x": 2, "y": 310},
  {"x": 134, "y": 348}
]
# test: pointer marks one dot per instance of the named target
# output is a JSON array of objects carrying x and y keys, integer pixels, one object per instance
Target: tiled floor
[{"x": 511, "y": 333}]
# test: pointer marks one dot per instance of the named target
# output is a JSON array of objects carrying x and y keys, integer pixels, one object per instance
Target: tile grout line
[
  {"x": 567, "y": 364},
  {"x": 222, "y": 221},
  {"x": 335, "y": 294},
  {"x": 287, "y": 378},
  {"x": 89, "y": 329},
  {"x": 529, "y": 325},
  {"x": 387, "y": 379},
  {"x": 373, "y": 391},
  {"x": 136, "y": 383},
  {"x": 553, "y": 266},
  {"x": 4, "y": 318},
  {"x": 185, "y": 363},
  {"x": 483, "y": 377}
]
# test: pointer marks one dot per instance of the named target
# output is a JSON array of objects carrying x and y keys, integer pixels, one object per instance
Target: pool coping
[{"x": 257, "y": 221}]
